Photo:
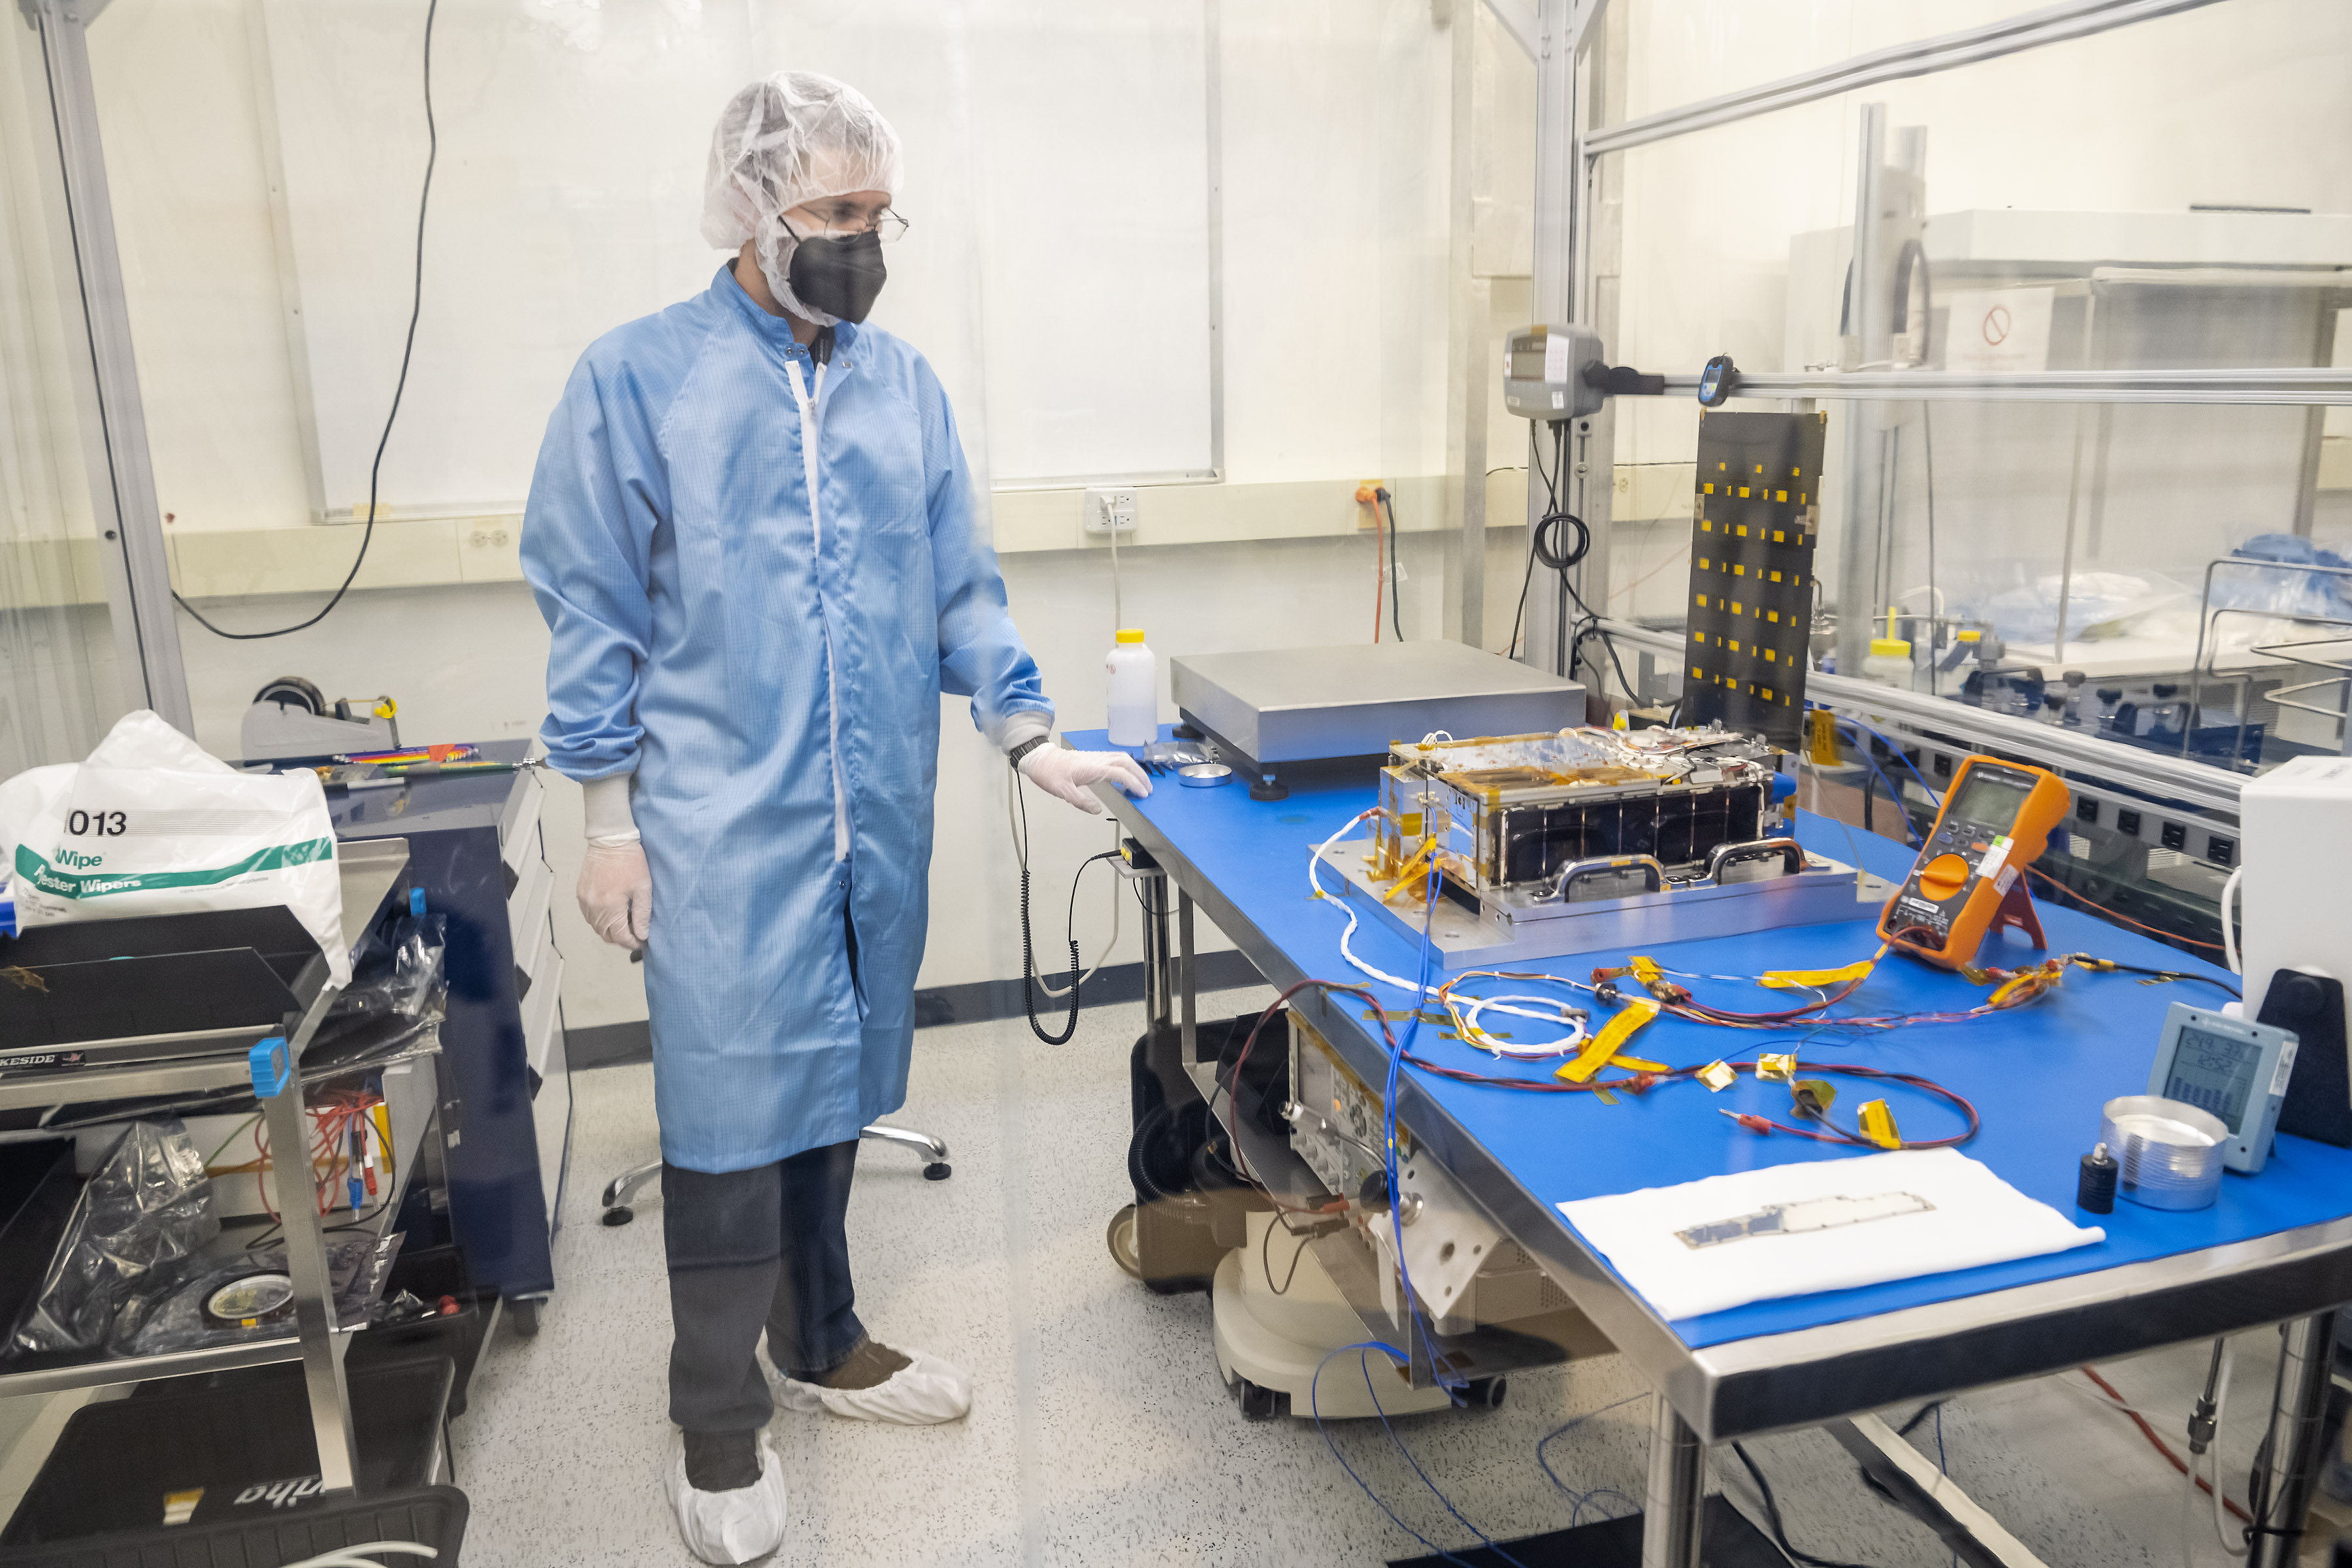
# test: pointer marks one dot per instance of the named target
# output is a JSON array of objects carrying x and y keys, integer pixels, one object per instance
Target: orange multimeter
[{"x": 1969, "y": 879}]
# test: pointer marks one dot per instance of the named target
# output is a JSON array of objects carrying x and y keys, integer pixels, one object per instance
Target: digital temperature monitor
[
  {"x": 2230, "y": 1069},
  {"x": 1968, "y": 880},
  {"x": 1543, "y": 372}
]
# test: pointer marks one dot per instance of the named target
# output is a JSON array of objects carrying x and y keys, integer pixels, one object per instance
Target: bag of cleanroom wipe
[{"x": 151, "y": 824}]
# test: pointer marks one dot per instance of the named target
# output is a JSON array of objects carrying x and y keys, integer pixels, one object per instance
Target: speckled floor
[{"x": 1101, "y": 1432}]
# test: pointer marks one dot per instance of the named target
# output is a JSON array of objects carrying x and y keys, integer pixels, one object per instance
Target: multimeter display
[
  {"x": 2215, "y": 1073},
  {"x": 1992, "y": 799}
]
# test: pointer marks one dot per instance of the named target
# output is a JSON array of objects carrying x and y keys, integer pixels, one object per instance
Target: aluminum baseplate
[{"x": 1509, "y": 927}]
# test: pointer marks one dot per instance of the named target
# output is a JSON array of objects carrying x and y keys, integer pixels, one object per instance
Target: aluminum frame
[
  {"x": 1787, "y": 1380},
  {"x": 2199, "y": 784},
  {"x": 2290, "y": 384},
  {"x": 1925, "y": 57},
  {"x": 139, "y": 569}
]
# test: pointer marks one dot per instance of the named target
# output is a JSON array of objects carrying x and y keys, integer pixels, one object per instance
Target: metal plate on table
[
  {"x": 1513, "y": 929},
  {"x": 1300, "y": 704}
]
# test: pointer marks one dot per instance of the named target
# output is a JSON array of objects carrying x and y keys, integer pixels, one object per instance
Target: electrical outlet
[
  {"x": 1111, "y": 510},
  {"x": 1368, "y": 505}
]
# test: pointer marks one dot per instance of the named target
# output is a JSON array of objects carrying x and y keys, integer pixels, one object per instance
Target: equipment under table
[{"x": 2275, "y": 1248}]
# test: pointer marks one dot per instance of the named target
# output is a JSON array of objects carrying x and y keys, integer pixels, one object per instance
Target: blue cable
[
  {"x": 1395, "y": 1075},
  {"x": 1484, "y": 1538},
  {"x": 1894, "y": 798},
  {"x": 1396, "y": 1224},
  {"x": 1582, "y": 1499},
  {"x": 1901, "y": 754},
  {"x": 1314, "y": 1408}
]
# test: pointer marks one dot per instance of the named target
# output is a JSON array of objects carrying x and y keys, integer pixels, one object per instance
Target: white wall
[{"x": 1046, "y": 222}]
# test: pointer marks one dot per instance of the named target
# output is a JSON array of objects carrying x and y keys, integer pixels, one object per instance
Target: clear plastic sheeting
[
  {"x": 2023, "y": 600},
  {"x": 183, "y": 1310},
  {"x": 149, "y": 1206},
  {"x": 400, "y": 974},
  {"x": 2278, "y": 589}
]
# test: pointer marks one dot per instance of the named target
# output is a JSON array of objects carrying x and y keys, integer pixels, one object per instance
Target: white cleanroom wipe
[{"x": 1966, "y": 1216}]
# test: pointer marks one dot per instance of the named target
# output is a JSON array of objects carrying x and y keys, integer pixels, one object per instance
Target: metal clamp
[
  {"x": 1575, "y": 871},
  {"x": 1726, "y": 856}
]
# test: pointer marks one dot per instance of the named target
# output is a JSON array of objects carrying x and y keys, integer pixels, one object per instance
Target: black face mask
[{"x": 839, "y": 277}]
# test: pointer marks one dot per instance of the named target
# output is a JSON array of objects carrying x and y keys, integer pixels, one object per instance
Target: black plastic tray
[
  {"x": 37, "y": 1188},
  {"x": 153, "y": 975},
  {"x": 245, "y": 1448}
]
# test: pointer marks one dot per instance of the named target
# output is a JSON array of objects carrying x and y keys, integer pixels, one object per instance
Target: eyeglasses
[{"x": 846, "y": 222}]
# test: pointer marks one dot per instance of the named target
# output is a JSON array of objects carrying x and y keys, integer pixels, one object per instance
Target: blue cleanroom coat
[{"x": 671, "y": 545}]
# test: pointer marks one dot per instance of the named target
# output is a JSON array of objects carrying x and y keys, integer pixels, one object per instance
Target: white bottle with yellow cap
[
  {"x": 1134, "y": 694},
  {"x": 1889, "y": 663}
]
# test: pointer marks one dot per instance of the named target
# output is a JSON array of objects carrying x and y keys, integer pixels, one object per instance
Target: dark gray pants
[{"x": 766, "y": 1249}]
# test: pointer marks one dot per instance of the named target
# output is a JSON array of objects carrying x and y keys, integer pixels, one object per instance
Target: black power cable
[
  {"x": 1543, "y": 545},
  {"x": 1029, "y": 981},
  {"x": 408, "y": 348},
  {"x": 1772, "y": 1515},
  {"x": 1873, "y": 1482},
  {"x": 1396, "y": 617}
]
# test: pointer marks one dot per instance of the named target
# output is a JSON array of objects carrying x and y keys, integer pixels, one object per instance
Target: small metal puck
[
  {"x": 1205, "y": 775},
  {"x": 250, "y": 1299}
]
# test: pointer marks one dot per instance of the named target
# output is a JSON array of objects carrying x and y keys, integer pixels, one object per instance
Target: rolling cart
[{"x": 157, "y": 1014}]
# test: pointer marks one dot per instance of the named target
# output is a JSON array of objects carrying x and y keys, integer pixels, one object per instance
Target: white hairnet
[{"x": 787, "y": 139}]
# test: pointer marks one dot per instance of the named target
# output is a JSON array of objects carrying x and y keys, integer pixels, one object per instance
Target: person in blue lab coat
[{"x": 750, "y": 533}]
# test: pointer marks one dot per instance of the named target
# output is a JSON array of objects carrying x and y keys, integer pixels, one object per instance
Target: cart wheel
[
  {"x": 619, "y": 1213},
  {"x": 1259, "y": 1403},
  {"x": 524, "y": 1311},
  {"x": 1120, "y": 1236},
  {"x": 1484, "y": 1392},
  {"x": 937, "y": 1170}
]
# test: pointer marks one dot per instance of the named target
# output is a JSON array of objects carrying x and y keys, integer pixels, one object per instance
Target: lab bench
[{"x": 2276, "y": 1248}]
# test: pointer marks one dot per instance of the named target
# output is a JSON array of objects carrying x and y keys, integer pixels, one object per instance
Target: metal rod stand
[
  {"x": 314, "y": 1291},
  {"x": 2288, "y": 1466},
  {"x": 1677, "y": 1496}
]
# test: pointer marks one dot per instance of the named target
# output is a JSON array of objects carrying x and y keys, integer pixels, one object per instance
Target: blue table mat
[{"x": 2037, "y": 1075}]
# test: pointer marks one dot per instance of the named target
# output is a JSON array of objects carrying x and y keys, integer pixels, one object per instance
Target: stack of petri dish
[{"x": 2170, "y": 1154}]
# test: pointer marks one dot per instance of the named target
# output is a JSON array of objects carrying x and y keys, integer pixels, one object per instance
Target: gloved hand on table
[
  {"x": 1067, "y": 774},
  {"x": 616, "y": 887}
]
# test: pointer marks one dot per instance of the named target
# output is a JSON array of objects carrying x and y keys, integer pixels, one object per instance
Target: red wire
[
  {"x": 1641, "y": 1082},
  {"x": 1234, "y": 1089},
  {"x": 1790, "y": 1016},
  {"x": 2161, "y": 1446},
  {"x": 2101, "y": 909},
  {"x": 1379, "y": 577},
  {"x": 331, "y": 1121}
]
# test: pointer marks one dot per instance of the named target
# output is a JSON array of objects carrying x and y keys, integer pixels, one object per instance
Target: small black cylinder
[{"x": 2095, "y": 1188}]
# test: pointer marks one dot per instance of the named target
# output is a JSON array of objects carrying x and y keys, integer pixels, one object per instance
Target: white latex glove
[
  {"x": 617, "y": 892},
  {"x": 1067, "y": 774}
]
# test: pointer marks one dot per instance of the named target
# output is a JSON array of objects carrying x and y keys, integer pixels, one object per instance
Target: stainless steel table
[{"x": 1832, "y": 1376}]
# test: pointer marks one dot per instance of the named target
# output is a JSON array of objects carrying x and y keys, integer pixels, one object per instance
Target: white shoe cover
[
  {"x": 924, "y": 1393},
  {"x": 729, "y": 1527}
]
